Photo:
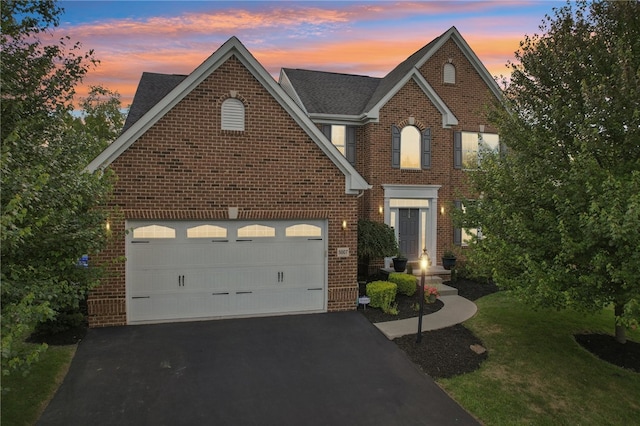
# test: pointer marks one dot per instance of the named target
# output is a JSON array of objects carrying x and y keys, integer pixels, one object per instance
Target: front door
[{"x": 408, "y": 233}]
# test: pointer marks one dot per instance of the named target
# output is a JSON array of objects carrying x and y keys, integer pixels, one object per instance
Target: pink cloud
[{"x": 352, "y": 39}]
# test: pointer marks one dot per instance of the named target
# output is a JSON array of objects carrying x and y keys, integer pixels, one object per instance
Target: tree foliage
[
  {"x": 375, "y": 240},
  {"x": 560, "y": 206},
  {"x": 49, "y": 215}
]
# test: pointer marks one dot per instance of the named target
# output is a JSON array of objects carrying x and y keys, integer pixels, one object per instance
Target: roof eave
[{"x": 354, "y": 182}]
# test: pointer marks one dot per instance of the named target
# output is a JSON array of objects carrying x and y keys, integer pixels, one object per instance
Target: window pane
[
  {"x": 490, "y": 141},
  {"x": 206, "y": 231},
  {"x": 303, "y": 230},
  {"x": 410, "y": 148},
  {"x": 338, "y": 137},
  {"x": 154, "y": 231},
  {"x": 256, "y": 231}
]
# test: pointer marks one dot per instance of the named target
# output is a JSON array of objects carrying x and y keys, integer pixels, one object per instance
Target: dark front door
[{"x": 408, "y": 232}]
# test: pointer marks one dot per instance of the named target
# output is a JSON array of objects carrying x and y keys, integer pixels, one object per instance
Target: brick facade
[
  {"x": 467, "y": 99},
  {"x": 185, "y": 167}
]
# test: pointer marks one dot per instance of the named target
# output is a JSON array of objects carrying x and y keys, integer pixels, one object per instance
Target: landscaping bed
[{"x": 456, "y": 350}]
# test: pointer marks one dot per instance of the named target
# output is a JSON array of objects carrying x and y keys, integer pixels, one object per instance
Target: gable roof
[
  {"x": 151, "y": 89},
  {"x": 354, "y": 182},
  {"x": 330, "y": 93},
  {"x": 305, "y": 86}
]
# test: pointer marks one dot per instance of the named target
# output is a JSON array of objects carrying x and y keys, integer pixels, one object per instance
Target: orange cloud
[{"x": 367, "y": 39}]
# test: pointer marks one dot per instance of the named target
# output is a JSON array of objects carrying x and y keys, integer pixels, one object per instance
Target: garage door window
[
  {"x": 154, "y": 231},
  {"x": 252, "y": 231},
  {"x": 303, "y": 230},
  {"x": 207, "y": 231}
]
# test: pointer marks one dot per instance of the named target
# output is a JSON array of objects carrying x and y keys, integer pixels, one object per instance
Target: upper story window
[
  {"x": 449, "y": 74},
  {"x": 469, "y": 146},
  {"x": 343, "y": 138},
  {"x": 410, "y": 148},
  {"x": 232, "y": 114}
]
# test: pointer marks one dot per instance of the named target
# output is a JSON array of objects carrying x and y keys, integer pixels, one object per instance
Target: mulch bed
[
  {"x": 407, "y": 308},
  {"x": 456, "y": 350},
  {"x": 607, "y": 348}
]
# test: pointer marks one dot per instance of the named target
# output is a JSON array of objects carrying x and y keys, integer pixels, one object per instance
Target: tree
[
  {"x": 50, "y": 215},
  {"x": 375, "y": 241},
  {"x": 559, "y": 207}
]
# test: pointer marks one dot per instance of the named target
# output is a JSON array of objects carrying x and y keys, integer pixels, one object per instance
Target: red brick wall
[
  {"x": 467, "y": 99},
  {"x": 185, "y": 167}
]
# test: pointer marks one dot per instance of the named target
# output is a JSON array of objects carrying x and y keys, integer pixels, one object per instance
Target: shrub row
[
  {"x": 383, "y": 293},
  {"x": 407, "y": 284}
]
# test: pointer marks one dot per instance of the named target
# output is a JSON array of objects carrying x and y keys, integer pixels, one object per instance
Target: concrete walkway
[{"x": 456, "y": 310}]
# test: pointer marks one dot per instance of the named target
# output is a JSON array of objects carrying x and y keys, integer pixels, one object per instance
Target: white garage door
[{"x": 206, "y": 269}]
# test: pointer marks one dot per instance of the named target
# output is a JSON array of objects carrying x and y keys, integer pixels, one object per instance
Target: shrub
[
  {"x": 406, "y": 283},
  {"x": 382, "y": 294}
]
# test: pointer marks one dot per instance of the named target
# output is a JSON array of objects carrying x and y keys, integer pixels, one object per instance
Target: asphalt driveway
[{"x": 324, "y": 369}]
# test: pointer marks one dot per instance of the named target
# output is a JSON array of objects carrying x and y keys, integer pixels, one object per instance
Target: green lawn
[
  {"x": 537, "y": 374},
  {"x": 28, "y": 396}
]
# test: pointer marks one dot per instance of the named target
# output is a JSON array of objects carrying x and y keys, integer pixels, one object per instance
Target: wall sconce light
[
  {"x": 442, "y": 210},
  {"x": 344, "y": 225},
  {"x": 380, "y": 210},
  {"x": 482, "y": 128},
  {"x": 107, "y": 226}
]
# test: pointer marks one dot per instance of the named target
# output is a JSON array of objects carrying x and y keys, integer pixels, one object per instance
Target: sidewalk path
[{"x": 456, "y": 310}]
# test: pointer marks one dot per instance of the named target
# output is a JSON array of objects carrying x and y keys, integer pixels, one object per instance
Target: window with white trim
[
  {"x": 469, "y": 147},
  {"x": 342, "y": 137},
  {"x": 410, "y": 148},
  {"x": 232, "y": 111}
]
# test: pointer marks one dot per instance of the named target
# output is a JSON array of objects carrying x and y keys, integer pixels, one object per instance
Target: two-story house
[
  {"x": 239, "y": 196},
  {"x": 411, "y": 135}
]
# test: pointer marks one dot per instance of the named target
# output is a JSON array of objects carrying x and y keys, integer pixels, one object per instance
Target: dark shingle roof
[
  {"x": 332, "y": 93},
  {"x": 397, "y": 74},
  {"x": 151, "y": 89}
]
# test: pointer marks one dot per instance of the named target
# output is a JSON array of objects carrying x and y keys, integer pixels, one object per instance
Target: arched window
[
  {"x": 233, "y": 115},
  {"x": 410, "y": 148},
  {"x": 449, "y": 74}
]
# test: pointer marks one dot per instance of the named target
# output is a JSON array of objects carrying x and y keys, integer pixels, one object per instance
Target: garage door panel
[{"x": 225, "y": 275}]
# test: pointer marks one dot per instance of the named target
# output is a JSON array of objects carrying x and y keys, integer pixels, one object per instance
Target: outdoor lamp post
[{"x": 424, "y": 264}]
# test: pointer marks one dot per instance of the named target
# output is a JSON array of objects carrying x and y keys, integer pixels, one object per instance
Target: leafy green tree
[
  {"x": 559, "y": 207},
  {"x": 49, "y": 216}
]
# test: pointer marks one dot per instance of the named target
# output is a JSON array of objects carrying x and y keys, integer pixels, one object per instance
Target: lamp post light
[{"x": 424, "y": 264}]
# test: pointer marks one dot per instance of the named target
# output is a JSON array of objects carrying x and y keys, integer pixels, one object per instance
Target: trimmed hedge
[
  {"x": 382, "y": 294},
  {"x": 407, "y": 284}
]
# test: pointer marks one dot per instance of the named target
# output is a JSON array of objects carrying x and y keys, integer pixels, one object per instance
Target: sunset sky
[{"x": 368, "y": 38}]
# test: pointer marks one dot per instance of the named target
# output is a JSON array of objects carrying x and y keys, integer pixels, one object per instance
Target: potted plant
[
  {"x": 448, "y": 260},
  {"x": 400, "y": 262}
]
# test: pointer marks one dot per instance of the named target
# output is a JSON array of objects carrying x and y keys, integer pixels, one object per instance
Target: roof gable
[
  {"x": 233, "y": 47},
  {"x": 322, "y": 93}
]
